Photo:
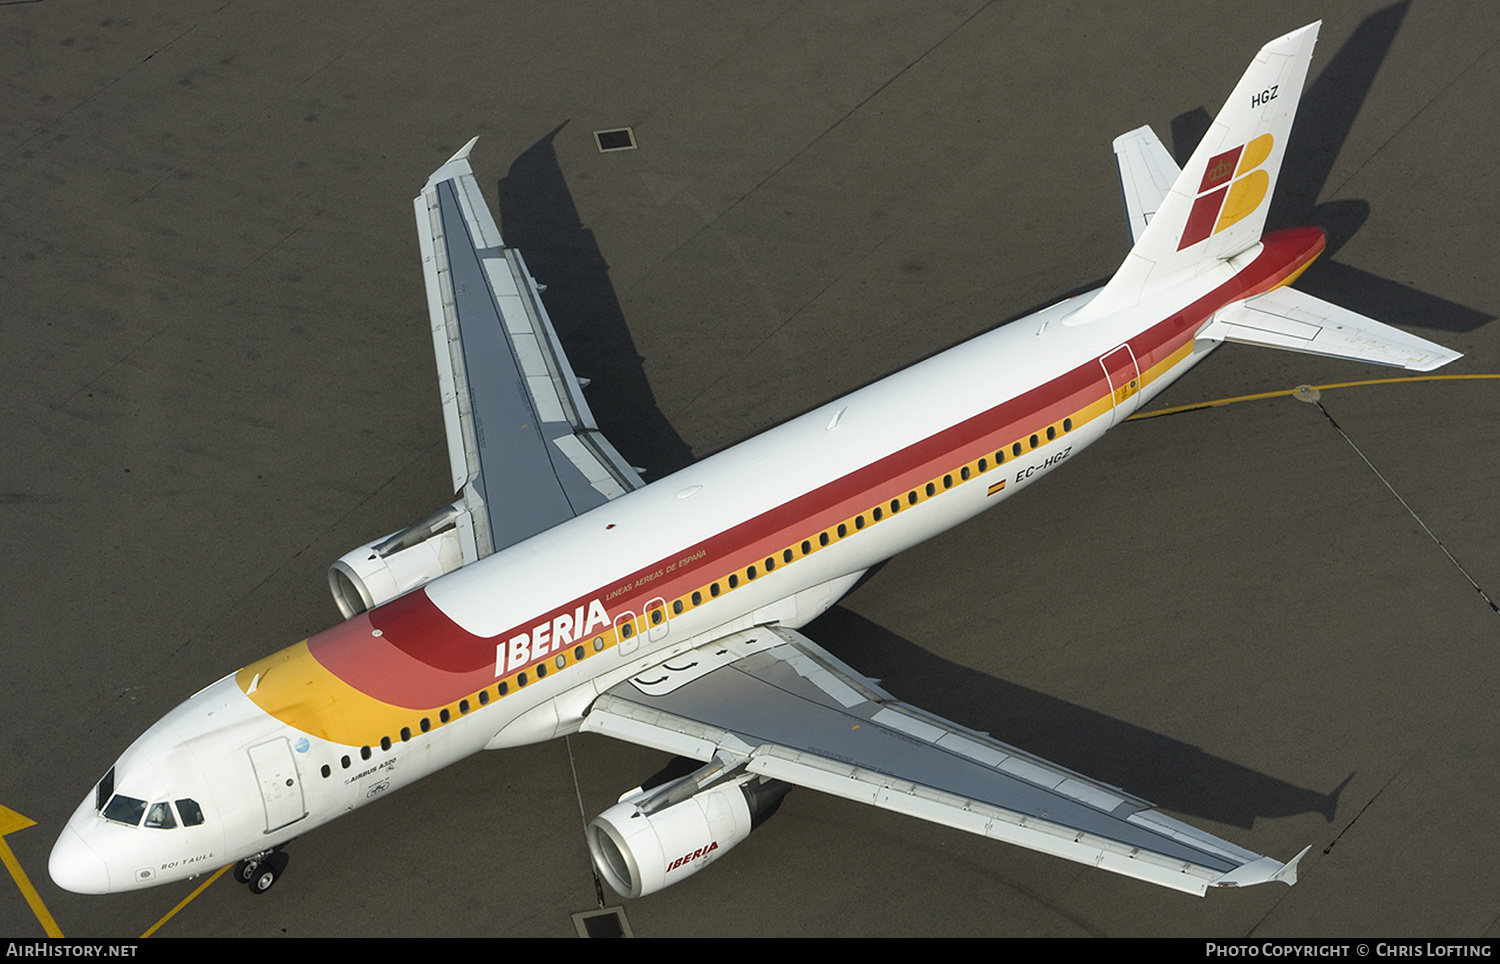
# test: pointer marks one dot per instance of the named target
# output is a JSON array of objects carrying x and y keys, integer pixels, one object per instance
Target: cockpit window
[
  {"x": 161, "y": 817},
  {"x": 191, "y": 813},
  {"x": 105, "y": 790},
  {"x": 125, "y": 809}
]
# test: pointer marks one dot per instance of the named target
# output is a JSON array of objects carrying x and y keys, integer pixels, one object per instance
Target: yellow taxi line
[
  {"x": 1215, "y": 403},
  {"x": 11, "y": 821},
  {"x": 185, "y": 901}
]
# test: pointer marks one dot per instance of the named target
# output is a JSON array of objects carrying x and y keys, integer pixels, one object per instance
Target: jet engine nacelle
[
  {"x": 641, "y": 852},
  {"x": 398, "y": 563}
]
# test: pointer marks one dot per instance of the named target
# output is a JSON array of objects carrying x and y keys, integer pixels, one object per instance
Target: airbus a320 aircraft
[{"x": 560, "y": 593}]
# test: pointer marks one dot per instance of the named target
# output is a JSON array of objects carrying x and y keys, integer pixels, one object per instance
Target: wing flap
[
  {"x": 1296, "y": 321},
  {"x": 791, "y": 711},
  {"x": 976, "y": 817}
]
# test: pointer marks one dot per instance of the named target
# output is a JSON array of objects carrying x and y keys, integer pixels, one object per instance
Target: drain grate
[
  {"x": 618, "y": 139},
  {"x": 605, "y": 922}
]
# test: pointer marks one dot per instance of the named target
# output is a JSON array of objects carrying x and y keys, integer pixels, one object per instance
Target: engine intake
[{"x": 398, "y": 563}]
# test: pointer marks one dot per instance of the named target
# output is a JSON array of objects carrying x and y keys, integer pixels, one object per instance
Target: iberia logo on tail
[{"x": 1221, "y": 203}]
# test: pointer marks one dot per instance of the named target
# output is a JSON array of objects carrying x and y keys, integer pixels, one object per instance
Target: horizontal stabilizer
[
  {"x": 1146, "y": 175},
  {"x": 1290, "y": 319}
]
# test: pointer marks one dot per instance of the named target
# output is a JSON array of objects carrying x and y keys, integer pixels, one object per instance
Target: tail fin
[{"x": 1217, "y": 206}]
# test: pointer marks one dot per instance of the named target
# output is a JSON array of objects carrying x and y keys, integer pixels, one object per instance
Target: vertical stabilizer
[{"x": 1217, "y": 206}]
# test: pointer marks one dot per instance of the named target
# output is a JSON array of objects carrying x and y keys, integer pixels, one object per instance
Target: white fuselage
[{"x": 261, "y": 778}]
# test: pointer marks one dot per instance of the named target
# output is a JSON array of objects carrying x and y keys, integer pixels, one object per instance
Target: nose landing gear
[{"x": 261, "y": 871}]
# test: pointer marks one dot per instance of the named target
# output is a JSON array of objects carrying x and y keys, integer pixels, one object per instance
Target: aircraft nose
[{"x": 75, "y": 867}]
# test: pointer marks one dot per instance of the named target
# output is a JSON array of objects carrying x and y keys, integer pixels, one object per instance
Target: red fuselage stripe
[{"x": 409, "y": 653}]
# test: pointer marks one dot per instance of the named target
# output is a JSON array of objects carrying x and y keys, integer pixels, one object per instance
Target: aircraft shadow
[
  {"x": 1325, "y": 117},
  {"x": 1168, "y": 772},
  {"x": 538, "y": 216}
]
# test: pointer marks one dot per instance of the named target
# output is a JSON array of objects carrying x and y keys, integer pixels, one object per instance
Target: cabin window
[
  {"x": 983, "y": 465},
  {"x": 425, "y": 724},
  {"x": 406, "y": 734},
  {"x": 656, "y": 617},
  {"x": 444, "y": 716},
  {"x": 326, "y": 771},
  {"x": 787, "y": 555},
  {"x": 911, "y": 497},
  {"x": 599, "y": 640},
  {"x": 463, "y": 706},
  {"x": 541, "y": 670},
  {"x": 770, "y": 563},
  {"x": 734, "y": 580},
  {"x": 806, "y": 547},
  {"x": 895, "y": 506},
  {"x": 364, "y": 751},
  {"x": 502, "y": 689},
  {"x": 963, "y": 473},
  {"x": 947, "y": 481},
  {"x": 876, "y": 513},
  {"x": 1033, "y": 441},
  {"x": 859, "y": 521},
  {"x": 931, "y": 490},
  {"x": 999, "y": 458},
  {"x": 843, "y": 530},
  {"x": 385, "y": 743},
  {"x": 1051, "y": 432},
  {"x": 1015, "y": 449},
  {"x": 343, "y": 762},
  {"x": 676, "y": 610},
  {"x": 750, "y": 573},
  {"x": 484, "y": 697},
  {"x": 713, "y": 590},
  {"x": 1067, "y": 425},
  {"x": 822, "y": 538},
  {"x": 697, "y": 598},
  {"x": 627, "y": 630},
  {"x": 562, "y": 660},
  {"x": 521, "y": 679}
]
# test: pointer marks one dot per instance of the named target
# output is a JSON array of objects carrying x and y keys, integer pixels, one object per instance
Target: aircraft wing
[
  {"x": 523, "y": 447},
  {"x": 774, "y": 701},
  {"x": 1146, "y": 174},
  {"x": 1290, "y": 319}
]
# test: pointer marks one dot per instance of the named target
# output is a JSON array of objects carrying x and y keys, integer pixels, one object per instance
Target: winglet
[
  {"x": 463, "y": 152},
  {"x": 1263, "y": 871},
  {"x": 1288, "y": 874},
  {"x": 455, "y": 166}
]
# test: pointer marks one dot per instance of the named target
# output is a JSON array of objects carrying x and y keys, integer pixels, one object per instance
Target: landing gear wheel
[
  {"x": 264, "y": 876},
  {"x": 244, "y": 870}
]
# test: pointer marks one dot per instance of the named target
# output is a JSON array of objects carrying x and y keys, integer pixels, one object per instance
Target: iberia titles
[{"x": 547, "y": 637}]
